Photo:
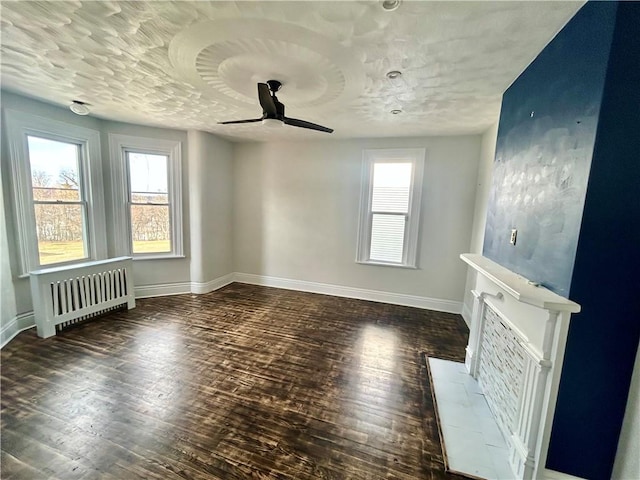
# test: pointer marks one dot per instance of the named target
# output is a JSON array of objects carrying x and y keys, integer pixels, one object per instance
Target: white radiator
[{"x": 66, "y": 295}]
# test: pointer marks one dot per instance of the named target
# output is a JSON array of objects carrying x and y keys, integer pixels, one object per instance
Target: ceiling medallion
[
  {"x": 226, "y": 58},
  {"x": 234, "y": 67}
]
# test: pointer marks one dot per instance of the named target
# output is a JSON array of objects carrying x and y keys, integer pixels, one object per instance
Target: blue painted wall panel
[
  {"x": 603, "y": 339},
  {"x": 545, "y": 143}
]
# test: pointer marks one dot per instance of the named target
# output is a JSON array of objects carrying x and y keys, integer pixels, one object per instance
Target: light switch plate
[{"x": 514, "y": 236}]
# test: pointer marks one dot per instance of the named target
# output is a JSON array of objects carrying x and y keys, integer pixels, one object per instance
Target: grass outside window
[{"x": 58, "y": 252}]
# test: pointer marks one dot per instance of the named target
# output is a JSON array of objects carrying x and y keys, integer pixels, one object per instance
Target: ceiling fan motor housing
[{"x": 274, "y": 85}]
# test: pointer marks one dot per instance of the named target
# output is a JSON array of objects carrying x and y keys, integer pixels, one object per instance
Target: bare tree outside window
[
  {"x": 40, "y": 178},
  {"x": 69, "y": 179}
]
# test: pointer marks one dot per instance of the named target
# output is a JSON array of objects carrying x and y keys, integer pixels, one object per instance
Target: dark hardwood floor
[{"x": 245, "y": 382}]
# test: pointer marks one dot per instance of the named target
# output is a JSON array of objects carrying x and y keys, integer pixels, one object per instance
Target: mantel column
[{"x": 475, "y": 335}]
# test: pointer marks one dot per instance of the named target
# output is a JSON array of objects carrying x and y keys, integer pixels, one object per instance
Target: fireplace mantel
[
  {"x": 519, "y": 287},
  {"x": 516, "y": 345}
]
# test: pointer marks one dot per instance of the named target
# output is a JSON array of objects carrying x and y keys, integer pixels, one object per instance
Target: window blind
[{"x": 390, "y": 209}]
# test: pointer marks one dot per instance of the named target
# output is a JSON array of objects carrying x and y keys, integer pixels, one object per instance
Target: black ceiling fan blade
[
  {"x": 241, "y": 121},
  {"x": 266, "y": 101},
  {"x": 301, "y": 123}
]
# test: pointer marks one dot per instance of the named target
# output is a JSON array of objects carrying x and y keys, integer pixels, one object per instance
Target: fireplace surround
[{"x": 516, "y": 346}]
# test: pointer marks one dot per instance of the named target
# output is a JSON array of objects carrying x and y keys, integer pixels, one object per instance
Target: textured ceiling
[{"x": 189, "y": 65}]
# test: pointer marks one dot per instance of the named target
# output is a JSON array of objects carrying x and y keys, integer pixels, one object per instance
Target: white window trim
[
  {"x": 18, "y": 126},
  {"x": 410, "y": 249},
  {"x": 118, "y": 144}
]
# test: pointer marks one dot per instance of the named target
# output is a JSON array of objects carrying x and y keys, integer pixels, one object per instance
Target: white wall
[
  {"x": 296, "y": 208},
  {"x": 627, "y": 464},
  {"x": 211, "y": 200},
  {"x": 8, "y": 310},
  {"x": 151, "y": 272},
  {"x": 485, "y": 169}
]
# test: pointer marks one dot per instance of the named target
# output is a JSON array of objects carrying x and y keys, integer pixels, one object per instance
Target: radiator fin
[{"x": 74, "y": 294}]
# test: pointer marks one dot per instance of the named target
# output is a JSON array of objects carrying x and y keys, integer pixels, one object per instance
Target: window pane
[
  {"x": 387, "y": 237},
  {"x": 150, "y": 229},
  {"x": 55, "y": 175},
  {"x": 391, "y": 184},
  {"x": 60, "y": 233},
  {"x": 147, "y": 173}
]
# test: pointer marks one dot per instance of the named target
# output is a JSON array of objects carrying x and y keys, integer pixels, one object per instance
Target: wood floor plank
[{"x": 244, "y": 382}]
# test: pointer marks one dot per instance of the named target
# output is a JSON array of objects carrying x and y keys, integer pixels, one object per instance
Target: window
[
  {"x": 390, "y": 207},
  {"x": 57, "y": 188},
  {"x": 58, "y": 200},
  {"x": 147, "y": 196},
  {"x": 149, "y": 205}
]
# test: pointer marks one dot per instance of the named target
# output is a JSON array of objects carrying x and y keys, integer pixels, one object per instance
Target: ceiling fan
[{"x": 273, "y": 110}]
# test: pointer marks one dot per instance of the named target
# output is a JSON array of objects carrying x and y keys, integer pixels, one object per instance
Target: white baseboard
[
  {"x": 211, "y": 285},
  {"x": 439, "y": 305},
  {"x": 178, "y": 288},
  {"x": 18, "y": 324},
  {"x": 466, "y": 315},
  {"x": 553, "y": 475},
  {"x": 162, "y": 289}
]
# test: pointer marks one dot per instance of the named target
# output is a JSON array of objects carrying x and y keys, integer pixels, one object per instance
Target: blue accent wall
[
  {"x": 567, "y": 177},
  {"x": 603, "y": 339},
  {"x": 544, "y": 148}
]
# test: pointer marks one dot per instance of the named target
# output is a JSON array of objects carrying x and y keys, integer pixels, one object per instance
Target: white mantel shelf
[{"x": 518, "y": 286}]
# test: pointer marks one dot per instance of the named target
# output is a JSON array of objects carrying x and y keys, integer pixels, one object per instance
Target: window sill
[
  {"x": 383, "y": 264},
  {"x": 158, "y": 257}
]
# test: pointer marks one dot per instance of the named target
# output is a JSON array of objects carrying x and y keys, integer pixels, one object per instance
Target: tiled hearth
[{"x": 472, "y": 441}]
